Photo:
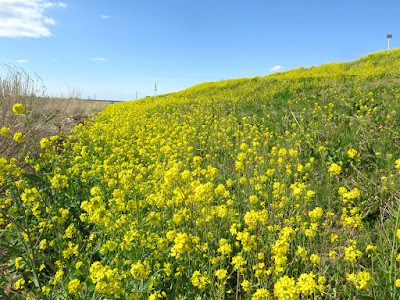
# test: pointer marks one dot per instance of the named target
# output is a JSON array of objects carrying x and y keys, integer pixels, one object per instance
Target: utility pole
[
  {"x": 155, "y": 90},
  {"x": 389, "y": 36}
]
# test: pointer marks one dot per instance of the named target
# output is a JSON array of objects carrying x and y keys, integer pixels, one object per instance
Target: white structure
[{"x": 389, "y": 36}]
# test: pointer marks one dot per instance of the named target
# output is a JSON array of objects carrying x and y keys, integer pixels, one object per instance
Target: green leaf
[
  {"x": 32, "y": 177},
  {"x": 3, "y": 295}
]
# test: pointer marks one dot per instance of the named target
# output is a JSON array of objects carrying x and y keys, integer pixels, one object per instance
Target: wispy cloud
[
  {"x": 26, "y": 18},
  {"x": 276, "y": 68},
  {"x": 22, "y": 61},
  {"x": 105, "y": 17},
  {"x": 97, "y": 58},
  {"x": 46, "y": 4}
]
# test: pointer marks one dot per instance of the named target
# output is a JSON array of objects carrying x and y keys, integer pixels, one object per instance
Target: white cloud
[
  {"x": 52, "y": 4},
  {"x": 97, "y": 58},
  {"x": 26, "y": 18},
  {"x": 276, "y": 68},
  {"x": 105, "y": 17},
  {"x": 49, "y": 21},
  {"x": 21, "y": 61}
]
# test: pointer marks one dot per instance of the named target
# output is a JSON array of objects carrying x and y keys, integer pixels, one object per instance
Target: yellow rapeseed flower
[
  {"x": 221, "y": 273},
  {"x": 19, "y": 137},
  {"x": 4, "y": 131},
  {"x": 18, "y": 109},
  {"x": 19, "y": 284},
  {"x": 352, "y": 153},
  {"x": 285, "y": 288},
  {"x": 334, "y": 169},
  {"x": 246, "y": 285}
]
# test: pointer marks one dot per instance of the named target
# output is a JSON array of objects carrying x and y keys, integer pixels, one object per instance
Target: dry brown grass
[{"x": 49, "y": 116}]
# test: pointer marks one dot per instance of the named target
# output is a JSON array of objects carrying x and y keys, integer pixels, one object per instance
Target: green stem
[{"x": 392, "y": 263}]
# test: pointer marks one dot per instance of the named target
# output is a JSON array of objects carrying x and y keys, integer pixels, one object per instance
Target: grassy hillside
[{"x": 276, "y": 187}]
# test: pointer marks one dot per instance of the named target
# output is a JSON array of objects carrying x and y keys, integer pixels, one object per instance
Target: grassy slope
[{"x": 181, "y": 172}]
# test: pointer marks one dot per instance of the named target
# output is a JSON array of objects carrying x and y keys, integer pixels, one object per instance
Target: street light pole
[{"x": 389, "y": 36}]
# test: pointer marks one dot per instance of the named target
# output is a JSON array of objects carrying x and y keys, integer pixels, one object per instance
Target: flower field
[{"x": 277, "y": 187}]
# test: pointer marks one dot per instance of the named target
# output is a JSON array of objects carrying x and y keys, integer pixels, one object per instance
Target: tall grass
[{"x": 49, "y": 115}]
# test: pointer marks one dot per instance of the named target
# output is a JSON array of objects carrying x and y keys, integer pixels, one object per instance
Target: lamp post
[{"x": 389, "y": 36}]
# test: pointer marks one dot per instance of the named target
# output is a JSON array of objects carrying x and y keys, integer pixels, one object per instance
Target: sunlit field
[{"x": 276, "y": 187}]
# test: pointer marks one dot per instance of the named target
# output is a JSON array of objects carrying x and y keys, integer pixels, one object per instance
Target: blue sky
[{"x": 115, "y": 49}]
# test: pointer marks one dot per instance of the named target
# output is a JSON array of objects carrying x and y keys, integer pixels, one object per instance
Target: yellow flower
[
  {"x": 332, "y": 254},
  {"x": 261, "y": 294},
  {"x": 243, "y": 147},
  {"x": 199, "y": 280},
  {"x": 18, "y": 262},
  {"x": 139, "y": 271},
  {"x": 270, "y": 172},
  {"x": 253, "y": 199},
  {"x": 18, "y": 109},
  {"x": 342, "y": 190},
  {"x": 302, "y": 252},
  {"x": 242, "y": 180},
  {"x": 20, "y": 284},
  {"x": 197, "y": 160},
  {"x": 153, "y": 296},
  {"x": 370, "y": 248},
  {"x": 246, "y": 285},
  {"x": 306, "y": 284},
  {"x": 46, "y": 290},
  {"x": 59, "y": 274},
  {"x": 45, "y": 143},
  {"x": 19, "y": 137},
  {"x": 316, "y": 214},
  {"x": 397, "y": 163},
  {"x": 310, "y": 194},
  {"x": 224, "y": 247},
  {"x": 334, "y": 170},
  {"x": 352, "y": 153},
  {"x": 58, "y": 181},
  {"x": 43, "y": 244},
  {"x": 351, "y": 253},
  {"x": 334, "y": 237},
  {"x": 238, "y": 261},
  {"x": 168, "y": 269},
  {"x": 221, "y": 273},
  {"x": 285, "y": 288},
  {"x": 4, "y": 131},
  {"x": 73, "y": 286},
  {"x": 314, "y": 259},
  {"x": 397, "y": 282},
  {"x": 362, "y": 280},
  {"x": 78, "y": 265}
]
